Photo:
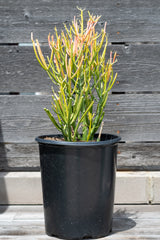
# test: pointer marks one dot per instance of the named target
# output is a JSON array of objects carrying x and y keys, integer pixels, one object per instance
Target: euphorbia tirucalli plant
[{"x": 78, "y": 66}]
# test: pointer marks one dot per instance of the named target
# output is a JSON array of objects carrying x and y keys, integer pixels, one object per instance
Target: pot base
[{"x": 84, "y": 236}]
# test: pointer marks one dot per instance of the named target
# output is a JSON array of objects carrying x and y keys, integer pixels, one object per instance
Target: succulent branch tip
[
  {"x": 105, "y": 27},
  {"x": 80, "y": 9},
  {"x": 32, "y": 36}
]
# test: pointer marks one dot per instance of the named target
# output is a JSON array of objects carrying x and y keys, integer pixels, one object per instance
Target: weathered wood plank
[
  {"x": 19, "y": 157},
  {"x": 134, "y": 116},
  {"x": 120, "y": 236},
  {"x": 24, "y": 227},
  {"x": 137, "y": 67},
  {"x": 139, "y": 156},
  {"x": 129, "y": 222},
  {"x": 127, "y": 20},
  {"x": 35, "y": 212},
  {"x": 133, "y": 156}
]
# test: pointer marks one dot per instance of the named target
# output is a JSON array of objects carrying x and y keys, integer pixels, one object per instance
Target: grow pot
[{"x": 78, "y": 182}]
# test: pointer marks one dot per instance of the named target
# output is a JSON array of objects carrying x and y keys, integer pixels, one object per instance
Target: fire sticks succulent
[{"x": 78, "y": 66}]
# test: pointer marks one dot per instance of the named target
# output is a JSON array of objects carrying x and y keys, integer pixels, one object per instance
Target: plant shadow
[{"x": 3, "y": 167}]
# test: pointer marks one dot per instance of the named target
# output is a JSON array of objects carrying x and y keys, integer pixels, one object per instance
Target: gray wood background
[{"x": 133, "y": 109}]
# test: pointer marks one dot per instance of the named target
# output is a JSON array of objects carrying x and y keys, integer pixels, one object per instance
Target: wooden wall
[{"x": 133, "y": 109}]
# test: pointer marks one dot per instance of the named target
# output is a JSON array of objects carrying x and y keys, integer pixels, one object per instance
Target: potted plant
[{"x": 78, "y": 166}]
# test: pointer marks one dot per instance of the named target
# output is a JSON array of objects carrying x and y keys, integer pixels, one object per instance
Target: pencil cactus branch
[{"x": 78, "y": 66}]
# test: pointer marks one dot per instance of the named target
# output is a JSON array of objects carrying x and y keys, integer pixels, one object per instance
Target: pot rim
[{"x": 106, "y": 139}]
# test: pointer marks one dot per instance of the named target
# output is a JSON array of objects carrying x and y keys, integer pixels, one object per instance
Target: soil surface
[
  {"x": 54, "y": 139},
  {"x": 62, "y": 139}
]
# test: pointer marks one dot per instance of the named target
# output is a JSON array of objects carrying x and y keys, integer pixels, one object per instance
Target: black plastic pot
[{"x": 78, "y": 181}]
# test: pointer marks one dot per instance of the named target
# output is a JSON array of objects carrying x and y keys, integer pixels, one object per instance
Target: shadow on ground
[{"x": 122, "y": 221}]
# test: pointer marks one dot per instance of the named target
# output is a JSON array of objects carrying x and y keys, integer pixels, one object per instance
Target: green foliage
[{"x": 84, "y": 77}]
